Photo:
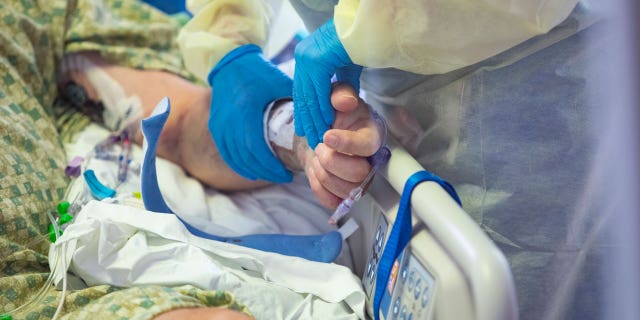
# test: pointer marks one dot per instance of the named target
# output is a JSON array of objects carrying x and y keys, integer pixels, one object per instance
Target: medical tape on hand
[
  {"x": 279, "y": 125},
  {"x": 120, "y": 111}
]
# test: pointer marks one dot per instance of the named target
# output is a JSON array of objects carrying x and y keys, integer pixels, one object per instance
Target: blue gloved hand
[
  {"x": 318, "y": 57},
  {"x": 244, "y": 84}
]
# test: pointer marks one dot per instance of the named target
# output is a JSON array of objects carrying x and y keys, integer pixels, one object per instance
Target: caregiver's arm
[
  {"x": 219, "y": 26},
  {"x": 244, "y": 82},
  {"x": 438, "y": 36}
]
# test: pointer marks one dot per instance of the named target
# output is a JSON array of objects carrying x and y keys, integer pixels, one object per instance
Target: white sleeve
[
  {"x": 219, "y": 26},
  {"x": 437, "y": 36}
]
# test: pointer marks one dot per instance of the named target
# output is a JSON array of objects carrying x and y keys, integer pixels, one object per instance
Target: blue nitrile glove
[
  {"x": 318, "y": 57},
  {"x": 244, "y": 84}
]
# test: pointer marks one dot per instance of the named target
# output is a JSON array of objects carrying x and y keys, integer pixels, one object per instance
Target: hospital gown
[{"x": 34, "y": 35}]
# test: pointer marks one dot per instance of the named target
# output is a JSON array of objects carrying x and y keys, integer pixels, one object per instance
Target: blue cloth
[
  {"x": 244, "y": 84},
  {"x": 322, "y": 247},
  {"x": 168, "y": 6},
  {"x": 319, "y": 57}
]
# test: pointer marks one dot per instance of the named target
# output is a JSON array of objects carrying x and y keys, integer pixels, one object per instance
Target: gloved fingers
[
  {"x": 281, "y": 83},
  {"x": 261, "y": 162},
  {"x": 319, "y": 111},
  {"x": 364, "y": 141},
  {"x": 246, "y": 83},
  {"x": 330, "y": 182},
  {"x": 241, "y": 156},
  {"x": 245, "y": 153},
  {"x": 324, "y": 196},
  {"x": 298, "y": 103},
  {"x": 308, "y": 125},
  {"x": 350, "y": 75},
  {"x": 346, "y": 167},
  {"x": 297, "y": 117},
  {"x": 302, "y": 98},
  {"x": 314, "y": 104},
  {"x": 232, "y": 155},
  {"x": 277, "y": 173},
  {"x": 323, "y": 97}
]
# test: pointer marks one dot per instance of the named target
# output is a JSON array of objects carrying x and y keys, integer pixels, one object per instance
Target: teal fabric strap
[{"x": 401, "y": 231}]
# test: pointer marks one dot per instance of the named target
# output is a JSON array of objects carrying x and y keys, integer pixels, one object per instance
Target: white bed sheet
[{"x": 116, "y": 244}]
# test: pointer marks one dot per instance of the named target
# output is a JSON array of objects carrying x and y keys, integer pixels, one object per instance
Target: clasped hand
[{"x": 340, "y": 163}]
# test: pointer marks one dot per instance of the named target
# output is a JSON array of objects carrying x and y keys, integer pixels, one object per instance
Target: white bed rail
[{"x": 485, "y": 267}]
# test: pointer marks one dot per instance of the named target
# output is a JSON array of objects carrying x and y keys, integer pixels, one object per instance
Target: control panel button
[
  {"x": 412, "y": 279},
  {"x": 380, "y": 243},
  {"x": 403, "y": 273},
  {"x": 418, "y": 289},
  {"x": 425, "y": 298},
  {"x": 379, "y": 240},
  {"x": 396, "y": 306},
  {"x": 370, "y": 270},
  {"x": 403, "y": 312}
]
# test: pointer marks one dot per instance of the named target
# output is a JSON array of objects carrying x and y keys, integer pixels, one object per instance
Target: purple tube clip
[
  {"x": 74, "y": 167},
  {"x": 381, "y": 157}
]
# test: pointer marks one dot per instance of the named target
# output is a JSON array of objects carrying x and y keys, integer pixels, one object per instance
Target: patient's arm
[{"x": 186, "y": 140}]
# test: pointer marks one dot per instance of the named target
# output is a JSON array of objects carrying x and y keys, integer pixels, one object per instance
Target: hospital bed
[{"x": 449, "y": 270}]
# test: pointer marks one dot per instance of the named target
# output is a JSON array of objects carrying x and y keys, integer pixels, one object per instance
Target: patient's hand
[{"x": 340, "y": 163}]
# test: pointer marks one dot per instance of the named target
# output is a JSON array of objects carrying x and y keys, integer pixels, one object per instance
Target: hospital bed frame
[{"x": 449, "y": 270}]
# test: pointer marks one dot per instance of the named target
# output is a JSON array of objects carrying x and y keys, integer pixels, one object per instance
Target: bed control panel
[
  {"x": 413, "y": 287},
  {"x": 425, "y": 283},
  {"x": 410, "y": 287},
  {"x": 375, "y": 253}
]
